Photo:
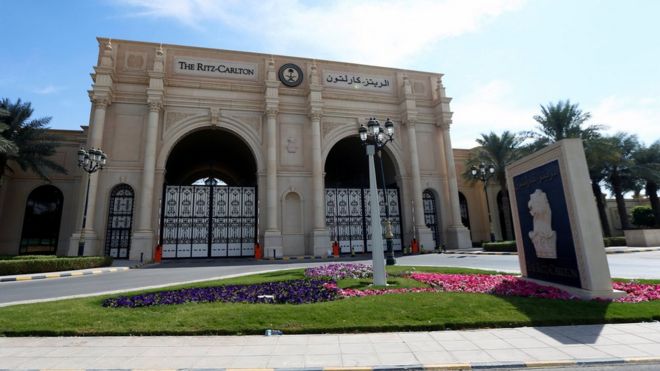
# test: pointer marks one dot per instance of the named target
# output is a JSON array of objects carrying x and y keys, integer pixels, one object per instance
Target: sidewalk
[
  {"x": 513, "y": 348},
  {"x": 608, "y": 250}
]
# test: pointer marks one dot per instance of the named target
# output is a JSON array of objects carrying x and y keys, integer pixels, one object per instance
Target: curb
[
  {"x": 453, "y": 366},
  {"x": 41, "y": 276}
]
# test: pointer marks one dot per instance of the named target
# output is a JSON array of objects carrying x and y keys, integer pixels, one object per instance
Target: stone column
[
  {"x": 273, "y": 236},
  {"x": 143, "y": 238},
  {"x": 320, "y": 234},
  {"x": 458, "y": 236},
  {"x": 424, "y": 234},
  {"x": 94, "y": 141}
]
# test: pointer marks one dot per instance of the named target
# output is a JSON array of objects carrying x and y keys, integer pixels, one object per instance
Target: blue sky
[{"x": 501, "y": 58}]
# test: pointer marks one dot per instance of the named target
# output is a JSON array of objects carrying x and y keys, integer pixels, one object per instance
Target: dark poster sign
[{"x": 545, "y": 226}]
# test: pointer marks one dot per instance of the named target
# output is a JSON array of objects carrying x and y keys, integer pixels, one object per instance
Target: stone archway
[
  {"x": 210, "y": 220},
  {"x": 347, "y": 195}
]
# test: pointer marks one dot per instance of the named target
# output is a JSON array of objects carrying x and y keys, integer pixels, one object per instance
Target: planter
[{"x": 642, "y": 237}]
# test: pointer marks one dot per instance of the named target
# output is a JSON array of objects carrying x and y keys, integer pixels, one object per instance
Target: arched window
[
  {"x": 41, "y": 223},
  {"x": 431, "y": 215},
  {"x": 120, "y": 221},
  {"x": 465, "y": 215}
]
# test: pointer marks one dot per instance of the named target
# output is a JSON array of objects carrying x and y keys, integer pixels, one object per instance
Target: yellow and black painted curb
[
  {"x": 41, "y": 276},
  {"x": 458, "y": 366}
]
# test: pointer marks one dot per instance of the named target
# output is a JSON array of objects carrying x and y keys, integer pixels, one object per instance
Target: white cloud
[
  {"x": 370, "y": 31},
  {"x": 489, "y": 107},
  {"x": 48, "y": 89},
  {"x": 639, "y": 116}
]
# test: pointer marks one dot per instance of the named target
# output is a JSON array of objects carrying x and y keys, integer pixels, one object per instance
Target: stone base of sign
[
  {"x": 642, "y": 237},
  {"x": 568, "y": 216},
  {"x": 273, "y": 244},
  {"x": 581, "y": 293},
  {"x": 142, "y": 246},
  {"x": 321, "y": 242},
  {"x": 458, "y": 237}
]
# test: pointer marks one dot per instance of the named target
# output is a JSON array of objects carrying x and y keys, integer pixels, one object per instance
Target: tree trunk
[
  {"x": 3, "y": 165},
  {"x": 602, "y": 212},
  {"x": 506, "y": 209},
  {"x": 620, "y": 202},
  {"x": 652, "y": 193}
]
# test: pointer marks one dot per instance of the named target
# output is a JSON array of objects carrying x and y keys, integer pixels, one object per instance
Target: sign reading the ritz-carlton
[{"x": 215, "y": 68}]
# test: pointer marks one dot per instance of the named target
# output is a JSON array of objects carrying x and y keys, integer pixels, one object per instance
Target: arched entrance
[
  {"x": 347, "y": 196},
  {"x": 41, "y": 223},
  {"x": 210, "y": 197}
]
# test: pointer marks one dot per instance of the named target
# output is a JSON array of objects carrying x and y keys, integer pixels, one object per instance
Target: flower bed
[
  {"x": 281, "y": 292},
  {"x": 489, "y": 284},
  {"x": 514, "y": 286},
  {"x": 321, "y": 286},
  {"x": 340, "y": 271}
]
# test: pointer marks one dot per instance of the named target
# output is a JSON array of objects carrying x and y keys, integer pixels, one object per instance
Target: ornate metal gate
[
  {"x": 348, "y": 216},
  {"x": 120, "y": 221},
  {"x": 208, "y": 221},
  {"x": 431, "y": 215}
]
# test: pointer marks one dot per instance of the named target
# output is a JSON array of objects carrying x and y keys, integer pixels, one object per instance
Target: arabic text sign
[
  {"x": 215, "y": 68},
  {"x": 357, "y": 81}
]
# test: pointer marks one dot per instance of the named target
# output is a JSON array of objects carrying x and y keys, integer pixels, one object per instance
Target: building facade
[{"x": 212, "y": 151}]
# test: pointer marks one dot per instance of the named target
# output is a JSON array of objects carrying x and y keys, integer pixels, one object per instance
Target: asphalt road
[{"x": 635, "y": 265}]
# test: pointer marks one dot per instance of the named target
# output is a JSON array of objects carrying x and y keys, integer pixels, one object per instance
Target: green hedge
[
  {"x": 500, "y": 246},
  {"x": 614, "y": 241},
  {"x": 18, "y": 265}
]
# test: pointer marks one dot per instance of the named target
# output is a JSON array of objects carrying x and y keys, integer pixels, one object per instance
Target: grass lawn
[{"x": 396, "y": 312}]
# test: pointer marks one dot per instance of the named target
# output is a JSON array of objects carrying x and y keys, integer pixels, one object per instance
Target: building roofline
[{"x": 101, "y": 39}]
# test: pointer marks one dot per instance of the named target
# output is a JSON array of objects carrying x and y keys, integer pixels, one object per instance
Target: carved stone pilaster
[
  {"x": 155, "y": 106},
  {"x": 214, "y": 114},
  {"x": 271, "y": 113},
  {"x": 100, "y": 102},
  {"x": 315, "y": 116}
]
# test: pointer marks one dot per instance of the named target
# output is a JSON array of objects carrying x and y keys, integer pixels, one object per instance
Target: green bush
[
  {"x": 500, "y": 246},
  {"x": 614, "y": 241},
  {"x": 27, "y": 257},
  {"x": 642, "y": 216},
  {"x": 25, "y": 266}
]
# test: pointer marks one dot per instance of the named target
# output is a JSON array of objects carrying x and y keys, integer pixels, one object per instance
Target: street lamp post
[
  {"x": 374, "y": 137},
  {"x": 90, "y": 161},
  {"x": 484, "y": 173}
]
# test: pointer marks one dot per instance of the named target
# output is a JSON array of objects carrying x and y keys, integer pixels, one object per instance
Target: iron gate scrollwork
[
  {"x": 208, "y": 221},
  {"x": 120, "y": 222},
  {"x": 348, "y": 217}
]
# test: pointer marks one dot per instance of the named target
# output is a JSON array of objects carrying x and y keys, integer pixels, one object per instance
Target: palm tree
[
  {"x": 565, "y": 120},
  {"x": 619, "y": 170},
  {"x": 6, "y": 145},
  {"x": 33, "y": 143},
  {"x": 561, "y": 121},
  {"x": 600, "y": 152},
  {"x": 498, "y": 151},
  {"x": 647, "y": 168}
]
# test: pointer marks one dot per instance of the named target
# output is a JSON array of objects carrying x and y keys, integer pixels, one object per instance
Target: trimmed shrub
[
  {"x": 25, "y": 266},
  {"x": 500, "y": 246},
  {"x": 642, "y": 216},
  {"x": 614, "y": 241},
  {"x": 27, "y": 257}
]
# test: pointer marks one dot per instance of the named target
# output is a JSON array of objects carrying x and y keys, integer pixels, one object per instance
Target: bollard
[{"x": 141, "y": 257}]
